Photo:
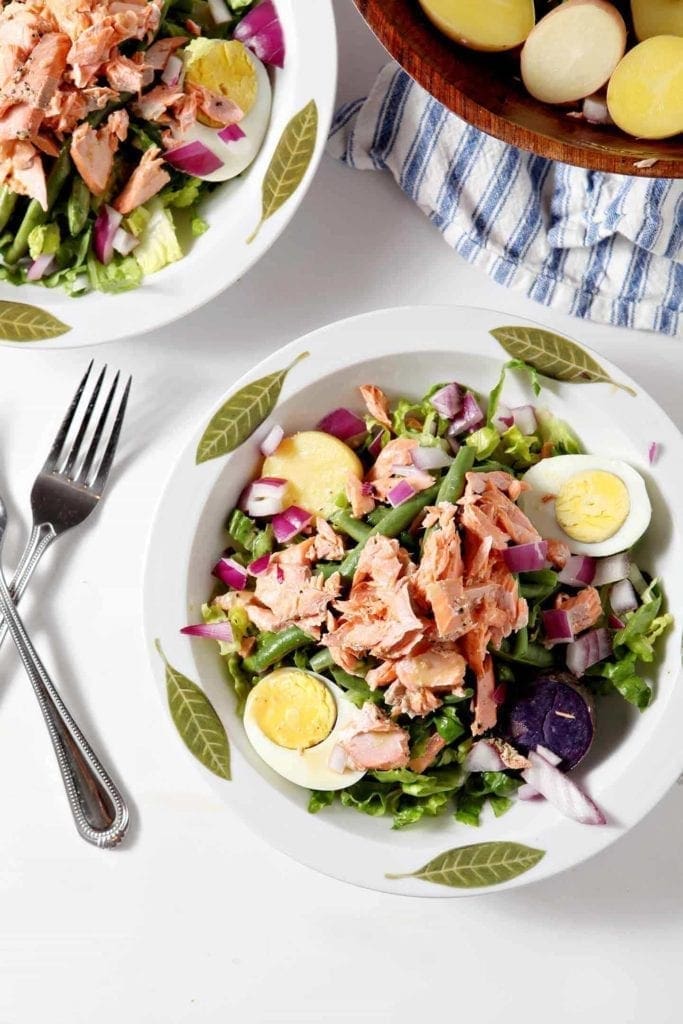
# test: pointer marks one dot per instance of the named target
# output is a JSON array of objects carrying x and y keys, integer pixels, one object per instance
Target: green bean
[
  {"x": 322, "y": 660},
  {"x": 349, "y": 525},
  {"x": 490, "y": 467},
  {"x": 78, "y": 206},
  {"x": 377, "y": 515},
  {"x": 8, "y": 200},
  {"x": 357, "y": 688},
  {"x": 535, "y": 655},
  {"x": 521, "y": 644},
  {"x": 453, "y": 484},
  {"x": 327, "y": 569},
  {"x": 35, "y": 215},
  {"x": 536, "y": 586},
  {"x": 395, "y": 521},
  {"x": 272, "y": 647}
]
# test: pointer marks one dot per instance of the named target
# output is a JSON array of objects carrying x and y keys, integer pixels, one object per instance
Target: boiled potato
[
  {"x": 657, "y": 18},
  {"x": 491, "y": 25},
  {"x": 573, "y": 50},
  {"x": 316, "y": 466},
  {"x": 645, "y": 93}
]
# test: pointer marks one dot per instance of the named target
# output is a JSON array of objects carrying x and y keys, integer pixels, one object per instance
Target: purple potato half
[{"x": 554, "y": 712}]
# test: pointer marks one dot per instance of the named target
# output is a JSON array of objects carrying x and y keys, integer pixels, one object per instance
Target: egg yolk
[
  {"x": 223, "y": 67},
  {"x": 293, "y": 709},
  {"x": 591, "y": 506}
]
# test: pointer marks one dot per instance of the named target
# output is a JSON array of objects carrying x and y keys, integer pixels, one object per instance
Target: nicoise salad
[{"x": 421, "y": 605}]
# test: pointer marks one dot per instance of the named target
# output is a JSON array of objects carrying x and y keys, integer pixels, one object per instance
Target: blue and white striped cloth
[{"x": 603, "y": 247}]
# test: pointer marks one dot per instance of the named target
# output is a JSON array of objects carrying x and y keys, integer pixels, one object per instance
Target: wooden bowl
[{"x": 485, "y": 90}]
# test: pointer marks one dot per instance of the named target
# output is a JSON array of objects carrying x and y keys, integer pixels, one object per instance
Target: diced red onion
[
  {"x": 271, "y": 442},
  {"x": 426, "y": 458},
  {"x": 125, "y": 242},
  {"x": 375, "y": 446},
  {"x": 264, "y": 497},
  {"x": 524, "y": 417},
  {"x": 289, "y": 523},
  {"x": 342, "y": 423},
  {"x": 279, "y": 574},
  {"x": 261, "y": 32},
  {"x": 527, "y": 792},
  {"x": 337, "y": 759},
  {"x": 367, "y": 490},
  {"x": 615, "y": 622},
  {"x": 588, "y": 650},
  {"x": 231, "y": 133},
  {"x": 469, "y": 418},
  {"x": 550, "y": 756},
  {"x": 210, "y": 631},
  {"x": 404, "y": 470},
  {"x": 173, "y": 71},
  {"x": 230, "y": 572},
  {"x": 500, "y": 694},
  {"x": 557, "y": 627},
  {"x": 612, "y": 569},
  {"x": 193, "y": 158},
  {"x": 400, "y": 493},
  {"x": 41, "y": 266},
  {"x": 653, "y": 452},
  {"x": 503, "y": 419},
  {"x": 561, "y": 792},
  {"x": 579, "y": 571},
  {"x": 448, "y": 401},
  {"x": 220, "y": 13},
  {"x": 595, "y": 110},
  {"x": 453, "y": 443},
  {"x": 259, "y": 565},
  {"x": 623, "y": 598},
  {"x": 106, "y": 225},
  {"x": 482, "y": 757},
  {"x": 526, "y": 557}
]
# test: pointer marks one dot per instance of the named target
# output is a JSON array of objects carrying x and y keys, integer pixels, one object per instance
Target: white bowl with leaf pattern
[
  {"x": 245, "y": 215},
  {"x": 635, "y": 758}
]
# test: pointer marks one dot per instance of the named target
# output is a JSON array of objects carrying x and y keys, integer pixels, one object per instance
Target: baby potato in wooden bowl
[{"x": 504, "y": 67}]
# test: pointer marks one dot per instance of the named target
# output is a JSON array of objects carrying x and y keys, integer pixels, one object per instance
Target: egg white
[
  {"x": 546, "y": 478},
  {"x": 307, "y": 768},
  {"x": 237, "y": 156}
]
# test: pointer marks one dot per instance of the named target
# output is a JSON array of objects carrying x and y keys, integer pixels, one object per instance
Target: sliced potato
[
  {"x": 657, "y": 18},
  {"x": 572, "y": 51},
  {"x": 645, "y": 93},
  {"x": 492, "y": 25},
  {"x": 316, "y": 466}
]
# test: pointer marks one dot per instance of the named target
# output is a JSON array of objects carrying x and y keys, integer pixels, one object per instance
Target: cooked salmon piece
[
  {"x": 148, "y": 178},
  {"x": 156, "y": 57},
  {"x": 70, "y": 16},
  {"x": 361, "y": 501},
  {"x": 375, "y": 743},
  {"x": 89, "y": 51},
  {"x": 20, "y": 122},
  {"x": 46, "y": 145},
  {"x": 213, "y": 105},
  {"x": 474, "y": 519},
  {"x": 413, "y": 703},
  {"x": 490, "y": 510},
  {"x": 476, "y": 557},
  {"x": 328, "y": 545},
  {"x": 418, "y": 480},
  {"x": 558, "y": 553},
  {"x": 21, "y": 26},
  {"x": 11, "y": 60},
  {"x": 453, "y": 614},
  {"x": 93, "y": 149},
  {"x": 152, "y": 106},
  {"x": 377, "y": 404},
  {"x": 383, "y": 561},
  {"x": 39, "y": 77},
  {"x": 426, "y": 759},
  {"x": 584, "y": 609},
  {"x": 289, "y": 595},
  {"x": 484, "y": 707},
  {"x": 438, "y": 668},
  {"x": 510, "y": 757},
  {"x": 398, "y": 452},
  {"x": 21, "y": 169},
  {"x": 124, "y": 74},
  {"x": 477, "y": 483},
  {"x": 382, "y": 675},
  {"x": 441, "y": 550}
]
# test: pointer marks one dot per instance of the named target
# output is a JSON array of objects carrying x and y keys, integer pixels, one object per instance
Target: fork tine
[
  {"x": 97, "y": 436},
  {"x": 87, "y": 416},
  {"x": 110, "y": 451},
  {"x": 59, "y": 440}
]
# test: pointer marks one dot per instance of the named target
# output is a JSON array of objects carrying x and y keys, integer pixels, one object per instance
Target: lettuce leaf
[
  {"x": 430, "y": 806},
  {"x": 371, "y": 797},
  {"x": 645, "y": 625},
  {"x": 494, "y": 397},
  {"x": 520, "y": 450},
  {"x": 320, "y": 799},
  {"x": 484, "y": 441},
  {"x": 121, "y": 275},
  {"x": 559, "y": 434},
  {"x": 159, "y": 243}
]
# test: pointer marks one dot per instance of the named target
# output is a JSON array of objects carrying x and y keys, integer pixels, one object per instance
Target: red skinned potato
[
  {"x": 573, "y": 50},
  {"x": 556, "y": 713},
  {"x": 493, "y": 25}
]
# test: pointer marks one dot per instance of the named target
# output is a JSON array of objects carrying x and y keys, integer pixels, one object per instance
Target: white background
[{"x": 195, "y": 919}]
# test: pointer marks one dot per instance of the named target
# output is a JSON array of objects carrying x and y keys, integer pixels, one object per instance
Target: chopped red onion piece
[
  {"x": 527, "y": 792},
  {"x": 41, "y": 266},
  {"x": 557, "y": 627},
  {"x": 587, "y": 650},
  {"x": 367, "y": 490},
  {"x": 526, "y": 557},
  {"x": 469, "y": 418},
  {"x": 653, "y": 452},
  {"x": 193, "y": 158},
  {"x": 375, "y": 446},
  {"x": 259, "y": 565},
  {"x": 125, "y": 242},
  {"x": 210, "y": 631},
  {"x": 623, "y": 598},
  {"x": 426, "y": 458},
  {"x": 578, "y": 571},
  {"x": 404, "y": 470},
  {"x": 271, "y": 441},
  {"x": 264, "y": 497},
  {"x": 500, "y": 694},
  {"x": 482, "y": 757},
  {"x": 612, "y": 569},
  {"x": 261, "y": 32},
  {"x": 173, "y": 71},
  {"x": 448, "y": 401},
  {"x": 524, "y": 418},
  {"x": 230, "y": 572},
  {"x": 615, "y": 623},
  {"x": 560, "y": 791},
  {"x": 503, "y": 419},
  {"x": 289, "y": 523},
  {"x": 400, "y": 493},
  {"x": 342, "y": 423},
  {"x": 220, "y": 13},
  {"x": 106, "y": 225},
  {"x": 231, "y": 133},
  {"x": 550, "y": 756}
]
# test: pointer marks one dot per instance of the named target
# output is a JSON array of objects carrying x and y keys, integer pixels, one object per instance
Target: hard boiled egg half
[
  {"x": 228, "y": 68},
  {"x": 596, "y": 506},
  {"x": 293, "y": 719}
]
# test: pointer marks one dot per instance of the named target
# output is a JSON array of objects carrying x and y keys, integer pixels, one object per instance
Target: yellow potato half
[
  {"x": 657, "y": 18},
  {"x": 492, "y": 25},
  {"x": 645, "y": 93},
  {"x": 316, "y": 466}
]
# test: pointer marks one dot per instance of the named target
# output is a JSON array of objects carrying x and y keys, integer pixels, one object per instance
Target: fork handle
[
  {"x": 40, "y": 540},
  {"x": 98, "y": 808}
]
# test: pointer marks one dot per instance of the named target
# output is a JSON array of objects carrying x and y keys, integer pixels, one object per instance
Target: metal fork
[{"x": 64, "y": 494}]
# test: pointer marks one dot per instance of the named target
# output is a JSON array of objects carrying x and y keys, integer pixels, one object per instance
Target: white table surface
[{"x": 196, "y": 920}]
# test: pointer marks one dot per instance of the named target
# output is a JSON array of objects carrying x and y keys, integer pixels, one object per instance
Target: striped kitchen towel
[{"x": 599, "y": 246}]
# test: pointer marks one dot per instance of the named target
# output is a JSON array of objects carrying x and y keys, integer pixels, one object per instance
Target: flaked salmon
[
  {"x": 374, "y": 743},
  {"x": 377, "y": 404},
  {"x": 93, "y": 149},
  {"x": 426, "y": 759},
  {"x": 484, "y": 707},
  {"x": 148, "y": 178},
  {"x": 584, "y": 609}
]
